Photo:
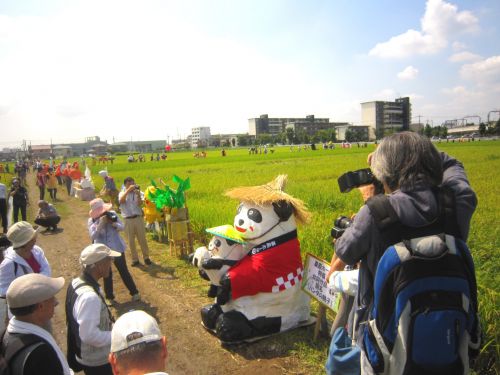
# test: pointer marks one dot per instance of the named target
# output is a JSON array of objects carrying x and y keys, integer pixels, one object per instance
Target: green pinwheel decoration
[{"x": 168, "y": 197}]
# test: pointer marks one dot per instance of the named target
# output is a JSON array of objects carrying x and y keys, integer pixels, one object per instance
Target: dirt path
[{"x": 192, "y": 350}]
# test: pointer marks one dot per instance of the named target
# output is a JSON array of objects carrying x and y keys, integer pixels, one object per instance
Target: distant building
[
  {"x": 62, "y": 151},
  {"x": 276, "y": 125},
  {"x": 386, "y": 117},
  {"x": 352, "y": 133},
  {"x": 40, "y": 151},
  {"x": 200, "y": 136}
]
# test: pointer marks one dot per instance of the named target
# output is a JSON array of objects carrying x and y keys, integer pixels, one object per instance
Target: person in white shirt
[
  {"x": 137, "y": 345},
  {"x": 88, "y": 318},
  {"x": 131, "y": 208}
]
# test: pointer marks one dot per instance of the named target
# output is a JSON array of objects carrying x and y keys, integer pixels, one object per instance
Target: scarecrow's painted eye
[
  {"x": 254, "y": 215},
  {"x": 217, "y": 243}
]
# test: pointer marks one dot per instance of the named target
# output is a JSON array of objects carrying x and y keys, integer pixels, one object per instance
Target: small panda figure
[{"x": 224, "y": 250}]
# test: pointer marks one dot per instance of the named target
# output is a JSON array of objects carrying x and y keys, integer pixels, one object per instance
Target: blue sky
[{"x": 152, "y": 69}]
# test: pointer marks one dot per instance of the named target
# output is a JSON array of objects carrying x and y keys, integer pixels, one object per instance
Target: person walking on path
[
  {"x": 27, "y": 346},
  {"x": 20, "y": 199},
  {"x": 41, "y": 181},
  {"x": 88, "y": 319},
  {"x": 137, "y": 345},
  {"x": 3, "y": 205},
  {"x": 104, "y": 226},
  {"x": 131, "y": 207},
  {"x": 52, "y": 184}
]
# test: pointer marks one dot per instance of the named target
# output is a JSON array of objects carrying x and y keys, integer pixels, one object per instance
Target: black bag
[{"x": 14, "y": 355}]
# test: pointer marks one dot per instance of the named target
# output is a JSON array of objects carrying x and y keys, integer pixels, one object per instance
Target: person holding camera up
[
  {"x": 414, "y": 175},
  {"x": 130, "y": 199},
  {"x": 104, "y": 226}
]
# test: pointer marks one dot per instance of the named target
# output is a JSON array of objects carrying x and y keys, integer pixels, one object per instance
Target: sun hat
[
  {"x": 103, "y": 173},
  {"x": 98, "y": 207},
  {"x": 96, "y": 252},
  {"x": 21, "y": 233},
  {"x": 228, "y": 232},
  {"x": 32, "y": 288},
  {"x": 133, "y": 328}
]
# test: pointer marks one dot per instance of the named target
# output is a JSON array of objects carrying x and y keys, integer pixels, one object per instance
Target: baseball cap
[
  {"x": 21, "y": 233},
  {"x": 96, "y": 252},
  {"x": 32, "y": 288},
  {"x": 133, "y": 328}
]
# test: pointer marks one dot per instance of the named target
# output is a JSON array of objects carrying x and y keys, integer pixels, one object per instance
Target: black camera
[
  {"x": 137, "y": 187},
  {"x": 355, "y": 179},
  {"x": 339, "y": 226},
  {"x": 113, "y": 217}
]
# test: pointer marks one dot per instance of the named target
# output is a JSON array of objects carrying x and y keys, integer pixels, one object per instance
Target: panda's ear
[{"x": 283, "y": 209}]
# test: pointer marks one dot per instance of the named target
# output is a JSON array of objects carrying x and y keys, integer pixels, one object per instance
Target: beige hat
[
  {"x": 32, "y": 288},
  {"x": 21, "y": 233},
  {"x": 96, "y": 252},
  {"x": 133, "y": 328},
  {"x": 98, "y": 207}
]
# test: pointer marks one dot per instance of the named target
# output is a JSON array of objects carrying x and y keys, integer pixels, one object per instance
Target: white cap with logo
[
  {"x": 96, "y": 252},
  {"x": 133, "y": 328}
]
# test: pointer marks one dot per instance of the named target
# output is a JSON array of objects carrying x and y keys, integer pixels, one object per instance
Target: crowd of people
[
  {"x": 409, "y": 167},
  {"x": 96, "y": 344}
]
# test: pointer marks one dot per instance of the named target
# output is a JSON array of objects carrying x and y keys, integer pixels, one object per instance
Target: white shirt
[
  {"x": 3, "y": 191},
  {"x": 130, "y": 207},
  {"x": 86, "y": 311}
]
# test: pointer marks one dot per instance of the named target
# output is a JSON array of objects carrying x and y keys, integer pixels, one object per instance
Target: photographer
[
  {"x": 104, "y": 226},
  {"x": 130, "y": 199},
  {"x": 410, "y": 169},
  {"x": 20, "y": 200}
]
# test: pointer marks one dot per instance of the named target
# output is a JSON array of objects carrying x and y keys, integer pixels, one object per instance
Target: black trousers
[
  {"x": 53, "y": 193},
  {"x": 42, "y": 192},
  {"x": 3, "y": 214},
  {"x": 48, "y": 221},
  {"x": 99, "y": 370},
  {"x": 121, "y": 266},
  {"x": 16, "y": 209},
  {"x": 68, "y": 183}
]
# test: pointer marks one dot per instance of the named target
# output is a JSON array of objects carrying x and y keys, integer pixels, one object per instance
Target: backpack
[
  {"x": 13, "y": 356},
  {"x": 424, "y": 314}
]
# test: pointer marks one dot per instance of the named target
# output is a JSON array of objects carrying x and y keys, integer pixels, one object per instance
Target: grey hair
[{"x": 405, "y": 160}]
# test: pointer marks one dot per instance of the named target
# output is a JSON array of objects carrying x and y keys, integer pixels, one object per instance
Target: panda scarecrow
[
  {"x": 224, "y": 250},
  {"x": 261, "y": 294}
]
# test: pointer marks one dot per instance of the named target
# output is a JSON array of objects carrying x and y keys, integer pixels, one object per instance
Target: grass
[{"x": 312, "y": 177}]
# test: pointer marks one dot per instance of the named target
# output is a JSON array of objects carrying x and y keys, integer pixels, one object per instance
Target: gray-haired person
[
  {"x": 410, "y": 168},
  {"x": 88, "y": 318},
  {"x": 137, "y": 345}
]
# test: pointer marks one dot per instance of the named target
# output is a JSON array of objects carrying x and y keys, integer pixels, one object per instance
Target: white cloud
[
  {"x": 463, "y": 56},
  {"x": 440, "y": 22},
  {"x": 408, "y": 73},
  {"x": 458, "y": 46},
  {"x": 483, "y": 72}
]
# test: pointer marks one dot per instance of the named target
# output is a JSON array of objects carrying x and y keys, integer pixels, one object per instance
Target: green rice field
[{"x": 312, "y": 177}]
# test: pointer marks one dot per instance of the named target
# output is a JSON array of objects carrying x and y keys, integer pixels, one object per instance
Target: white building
[{"x": 200, "y": 137}]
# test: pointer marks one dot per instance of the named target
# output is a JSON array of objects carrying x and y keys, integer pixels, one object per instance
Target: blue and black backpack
[{"x": 424, "y": 315}]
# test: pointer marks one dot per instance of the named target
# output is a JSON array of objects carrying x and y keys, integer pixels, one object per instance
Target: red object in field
[{"x": 168, "y": 148}]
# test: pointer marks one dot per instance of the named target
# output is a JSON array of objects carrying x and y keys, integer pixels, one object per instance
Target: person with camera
[
  {"x": 411, "y": 171},
  {"x": 130, "y": 199},
  {"x": 20, "y": 199},
  {"x": 104, "y": 227}
]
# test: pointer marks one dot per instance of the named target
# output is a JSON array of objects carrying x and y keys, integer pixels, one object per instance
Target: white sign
[{"x": 314, "y": 282}]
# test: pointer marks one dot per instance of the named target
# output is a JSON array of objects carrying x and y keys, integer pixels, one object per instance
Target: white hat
[
  {"x": 96, "y": 252},
  {"x": 103, "y": 173},
  {"x": 21, "y": 233},
  {"x": 32, "y": 288},
  {"x": 133, "y": 328}
]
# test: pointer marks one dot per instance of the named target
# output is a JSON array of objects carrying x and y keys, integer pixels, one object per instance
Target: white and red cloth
[{"x": 270, "y": 267}]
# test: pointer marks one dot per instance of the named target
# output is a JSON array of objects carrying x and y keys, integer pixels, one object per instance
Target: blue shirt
[{"x": 108, "y": 234}]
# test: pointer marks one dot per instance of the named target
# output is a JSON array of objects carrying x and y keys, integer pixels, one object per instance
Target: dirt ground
[{"x": 191, "y": 349}]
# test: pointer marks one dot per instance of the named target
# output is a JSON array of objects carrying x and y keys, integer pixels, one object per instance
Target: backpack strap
[
  {"x": 386, "y": 219},
  {"x": 18, "y": 349}
]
